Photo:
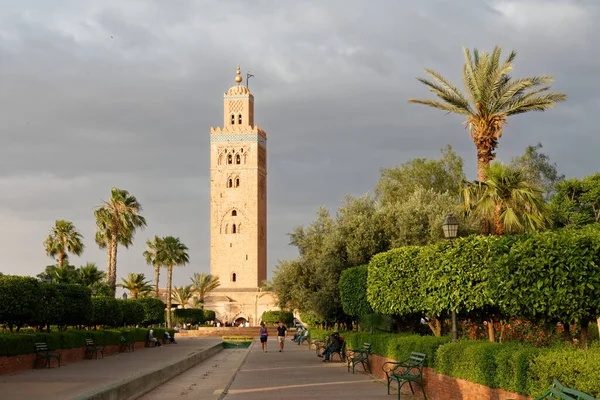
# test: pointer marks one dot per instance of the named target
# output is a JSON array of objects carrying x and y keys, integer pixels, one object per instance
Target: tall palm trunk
[
  {"x": 169, "y": 282},
  {"x": 61, "y": 258},
  {"x": 134, "y": 294},
  {"x": 498, "y": 224},
  {"x": 156, "y": 276},
  {"x": 113, "y": 268},
  {"x": 109, "y": 261}
]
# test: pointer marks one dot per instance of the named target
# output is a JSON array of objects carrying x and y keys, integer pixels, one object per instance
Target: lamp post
[
  {"x": 124, "y": 296},
  {"x": 450, "y": 229},
  {"x": 94, "y": 290}
]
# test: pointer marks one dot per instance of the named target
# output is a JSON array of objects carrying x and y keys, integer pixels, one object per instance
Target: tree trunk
[
  {"x": 491, "y": 330},
  {"x": 134, "y": 294},
  {"x": 169, "y": 282},
  {"x": 60, "y": 258},
  {"x": 498, "y": 224},
  {"x": 113, "y": 268},
  {"x": 109, "y": 261},
  {"x": 584, "y": 333},
  {"x": 435, "y": 324},
  {"x": 156, "y": 276},
  {"x": 567, "y": 333}
]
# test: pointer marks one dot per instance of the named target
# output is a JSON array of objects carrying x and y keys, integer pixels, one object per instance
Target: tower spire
[{"x": 238, "y": 78}]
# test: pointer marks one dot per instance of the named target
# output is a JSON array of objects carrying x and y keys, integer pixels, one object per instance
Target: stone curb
[{"x": 133, "y": 388}]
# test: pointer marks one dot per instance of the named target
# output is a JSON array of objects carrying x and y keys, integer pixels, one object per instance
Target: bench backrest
[
  {"x": 41, "y": 347},
  {"x": 367, "y": 347},
  {"x": 123, "y": 339},
  {"x": 570, "y": 393},
  {"x": 417, "y": 358},
  {"x": 306, "y": 333},
  {"x": 89, "y": 342}
]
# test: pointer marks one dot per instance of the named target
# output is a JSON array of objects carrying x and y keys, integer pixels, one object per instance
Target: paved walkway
[
  {"x": 79, "y": 378},
  {"x": 297, "y": 373}
]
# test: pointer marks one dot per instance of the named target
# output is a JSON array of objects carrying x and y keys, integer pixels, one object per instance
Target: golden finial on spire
[{"x": 238, "y": 78}]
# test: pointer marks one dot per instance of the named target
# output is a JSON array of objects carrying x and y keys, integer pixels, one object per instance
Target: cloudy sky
[{"x": 96, "y": 94}]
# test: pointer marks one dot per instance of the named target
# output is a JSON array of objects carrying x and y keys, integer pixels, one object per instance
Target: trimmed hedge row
[
  {"x": 24, "y": 343},
  {"x": 193, "y": 315},
  {"x": 514, "y": 367},
  {"x": 273, "y": 317}
]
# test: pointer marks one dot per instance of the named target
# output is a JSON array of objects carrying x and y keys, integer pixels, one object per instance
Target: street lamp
[
  {"x": 450, "y": 228},
  {"x": 124, "y": 296},
  {"x": 94, "y": 290}
]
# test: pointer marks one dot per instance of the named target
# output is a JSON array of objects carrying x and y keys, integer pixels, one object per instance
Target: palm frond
[
  {"x": 441, "y": 106},
  {"x": 534, "y": 103}
]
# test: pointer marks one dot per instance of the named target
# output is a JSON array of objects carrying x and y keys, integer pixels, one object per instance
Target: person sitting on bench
[
  {"x": 334, "y": 346},
  {"x": 152, "y": 339},
  {"x": 298, "y": 335},
  {"x": 170, "y": 338}
]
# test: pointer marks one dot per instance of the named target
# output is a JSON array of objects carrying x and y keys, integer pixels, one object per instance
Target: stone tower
[{"x": 238, "y": 194}]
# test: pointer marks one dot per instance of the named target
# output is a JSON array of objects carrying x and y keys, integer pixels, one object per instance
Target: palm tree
[
  {"x": 202, "y": 284},
  {"x": 492, "y": 96},
  {"x": 89, "y": 275},
  {"x": 136, "y": 284},
  {"x": 182, "y": 295},
  {"x": 506, "y": 201},
  {"x": 172, "y": 252},
  {"x": 63, "y": 239},
  {"x": 150, "y": 257},
  {"x": 64, "y": 274},
  {"x": 117, "y": 220}
]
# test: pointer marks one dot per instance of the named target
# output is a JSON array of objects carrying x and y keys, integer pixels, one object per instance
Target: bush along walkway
[{"x": 513, "y": 367}]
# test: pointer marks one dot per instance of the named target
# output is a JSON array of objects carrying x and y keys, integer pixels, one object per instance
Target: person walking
[
  {"x": 264, "y": 334},
  {"x": 281, "y": 330}
]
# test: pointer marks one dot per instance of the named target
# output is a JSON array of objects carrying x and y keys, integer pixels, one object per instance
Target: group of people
[
  {"x": 167, "y": 337},
  {"x": 264, "y": 334}
]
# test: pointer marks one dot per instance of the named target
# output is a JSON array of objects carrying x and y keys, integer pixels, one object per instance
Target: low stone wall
[
  {"x": 223, "y": 331},
  {"x": 442, "y": 387},
  {"x": 14, "y": 364}
]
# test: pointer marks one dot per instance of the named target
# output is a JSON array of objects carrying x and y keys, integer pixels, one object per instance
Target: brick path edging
[{"x": 23, "y": 362}]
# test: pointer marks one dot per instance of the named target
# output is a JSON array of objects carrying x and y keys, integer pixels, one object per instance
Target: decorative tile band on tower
[{"x": 239, "y": 137}]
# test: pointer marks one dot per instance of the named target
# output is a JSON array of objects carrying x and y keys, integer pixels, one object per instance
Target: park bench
[
  {"x": 125, "y": 345},
  {"x": 407, "y": 371},
  {"x": 561, "y": 392},
  {"x": 304, "y": 338},
  {"x": 340, "y": 352},
  {"x": 42, "y": 352},
  {"x": 93, "y": 349},
  {"x": 320, "y": 344},
  {"x": 360, "y": 356}
]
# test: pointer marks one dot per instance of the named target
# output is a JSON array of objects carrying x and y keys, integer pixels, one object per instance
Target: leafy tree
[
  {"x": 202, "y": 284},
  {"x": 492, "y": 95},
  {"x": 440, "y": 176},
  {"x": 577, "y": 202},
  {"x": 89, "y": 275},
  {"x": 506, "y": 201},
  {"x": 154, "y": 310},
  {"x": 133, "y": 312},
  {"x": 553, "y": 275},
  {"x": 63, "y": 239},
  {"x": 117, "y": 221},
  {"x": 417, "y": 219},
  {"x": 107, "y": 311},
  {"x": 137, "y": 285},
  {"x": 19, "y": 300},
  {"x": 182, "y": 295},
  {"x": 538, "y": 169},
  {"x": 173, "y": 252},
  {"x": 150, "y": 257},
  {"x": 273, "y": 317},
  {"x": 353, "y": 291}
]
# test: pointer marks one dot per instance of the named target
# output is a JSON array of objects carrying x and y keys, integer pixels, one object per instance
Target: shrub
[
  {"x": 190, "y": 315},
  {"x": 76, "y": 305},
  {"x": 209, "y": 315},
  {"x": 19, "y": 300},
  {"x": 154, "y": 310},
  {"x": 273, "y": 317},
  {"x": 107, "y": 311},
  {"x": 133, "y": 312},
  {"x": 353, "y": 291}
]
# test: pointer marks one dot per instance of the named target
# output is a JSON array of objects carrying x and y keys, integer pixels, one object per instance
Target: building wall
[{"x": 231, "y": 305}]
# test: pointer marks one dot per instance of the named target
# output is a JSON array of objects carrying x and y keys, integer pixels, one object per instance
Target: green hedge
[
  {"x": 273, "y": 317},
  {"x": 189, "y": 315},
  {"x": 133, "y": 312},
  {"x": 154, "y": 310},
  {"x": 14, "y": 344},
  {"x": 209, "y": 315},
  {"x": 107, "y": 311}
]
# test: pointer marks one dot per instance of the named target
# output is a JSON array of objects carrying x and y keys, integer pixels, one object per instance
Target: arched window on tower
[
  {"x": 233, "y": 277},
  {"x": 238, "y": 159},
  {"x": 234, "y": 213},
  {"x": 233, "y": 229},
  {"x": 237, "y": 182},
  {"x": 230, "y": 183},
  {"x": 232, "y": 119},
  {"x": 229, "y": 159},
  {"x": 240, "y": 119}
]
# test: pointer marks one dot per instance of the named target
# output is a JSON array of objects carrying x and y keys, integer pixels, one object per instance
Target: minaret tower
[{"x": 238, "y": 194}]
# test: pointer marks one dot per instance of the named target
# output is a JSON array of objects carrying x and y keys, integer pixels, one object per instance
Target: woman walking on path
[{"x": 263, "y": 336}]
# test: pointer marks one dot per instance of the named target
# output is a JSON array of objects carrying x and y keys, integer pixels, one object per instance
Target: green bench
[
  {"x": 42, "y": 352},
  {"x": 561, "y": 392},
  {"x": 320, "y": 344},
  {"x": 125, "y": 345},
  {"x": 407, "y": 371},
  {"x": 360, "y": 356},
  {"x": 340, "y": 352},
  {"x": 91, "y": 349},
  {"x": 304, "y": 338}
]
